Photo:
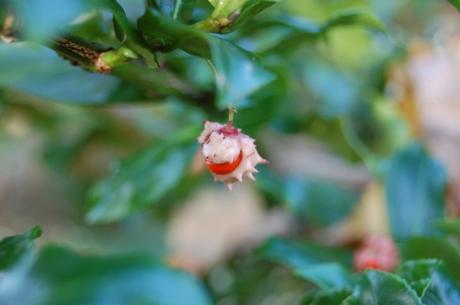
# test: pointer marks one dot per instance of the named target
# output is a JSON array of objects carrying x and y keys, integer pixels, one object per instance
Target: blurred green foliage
[{"x": 136, "y": 79}]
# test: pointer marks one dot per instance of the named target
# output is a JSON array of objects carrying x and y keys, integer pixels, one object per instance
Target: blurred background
[{"x": 359, "y": 122}]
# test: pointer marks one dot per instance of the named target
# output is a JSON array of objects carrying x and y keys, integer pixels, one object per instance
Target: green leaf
[
  {"x": 133, "y": 39},
  {"x": 223, "y": 8},
  {"x": 40, "y": 20},
  {"x": 430, "y": 279},
  {"x": 381, "y": 288},
  {"x": 319, "y": 202},
  {"x": 177, "y": 9},
  {"x": 326, "y": 297},
  {"x": 72, "y": 279},
  {"x": 318, "y": 264},
  {"x": 455, "y": 3},
  {"x": 450, "y": 226},
  {"x": 415, "y": 186},
  {"x": 435, "y": 248},
  {"x": 290, "y": 32},
  {"x": 165, "y": 34},
  {"x": 238, "y": 74},
  {"x": 14, "y": 248},
  {"x": 144, "y": 178},
  {"x": 250, "y": 9},
  {"x": 39, "y": 71}
]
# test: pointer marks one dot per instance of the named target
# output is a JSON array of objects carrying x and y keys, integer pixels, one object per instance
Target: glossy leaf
[
  {"x": 318, "y": 264},
  {"x": 380, "y": 288},
  {"x": 415, "y": 186},
  {"x": 13, "y": 248},
  {"x": 144, "y": 178},
  {"x": 72, "y": 279},
  {"x": 434, "y": 248}
]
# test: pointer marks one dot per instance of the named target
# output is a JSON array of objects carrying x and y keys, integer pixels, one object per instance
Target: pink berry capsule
[
  {"x": 377, "y": 252},
  {"x": 229, "y": 154}
]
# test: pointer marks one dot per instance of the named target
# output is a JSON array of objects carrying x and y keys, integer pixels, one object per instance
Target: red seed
[{"x": 225, "y": 168}]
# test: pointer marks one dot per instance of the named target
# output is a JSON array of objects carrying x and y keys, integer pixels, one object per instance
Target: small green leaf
[
  {"x": 455, "y": 3},
  {"x": 74, "y": 279},
  {"x": 13, "y": 248},
  {"x": 144, "y": 178},
  {"x": 415, "y": 186},
  {"x": 381, "y": 288},
  {"x": 318, "y": 264},
  {"x": 434, "y": 248}
]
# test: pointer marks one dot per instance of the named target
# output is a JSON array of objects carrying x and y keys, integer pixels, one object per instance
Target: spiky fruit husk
[{"x": 229, "y": 154}]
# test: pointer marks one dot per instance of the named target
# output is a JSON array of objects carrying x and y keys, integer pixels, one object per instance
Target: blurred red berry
[{"x": 377, "y": 252}]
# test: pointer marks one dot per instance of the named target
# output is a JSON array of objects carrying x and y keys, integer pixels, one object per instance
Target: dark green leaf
[
  {"x": 415, "y": 186},
  {"x": 428, "y": 247},
  {"x": 318, "y": 264},
  {"x": 60, "y": 276},
  {"x": 143, "y": 179},
  {"x": 380, "y": 288},
  {"x": 13, "y": 248}
]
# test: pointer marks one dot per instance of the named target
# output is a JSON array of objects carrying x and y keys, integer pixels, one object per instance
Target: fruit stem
[{"x": 231, "y": 114}]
